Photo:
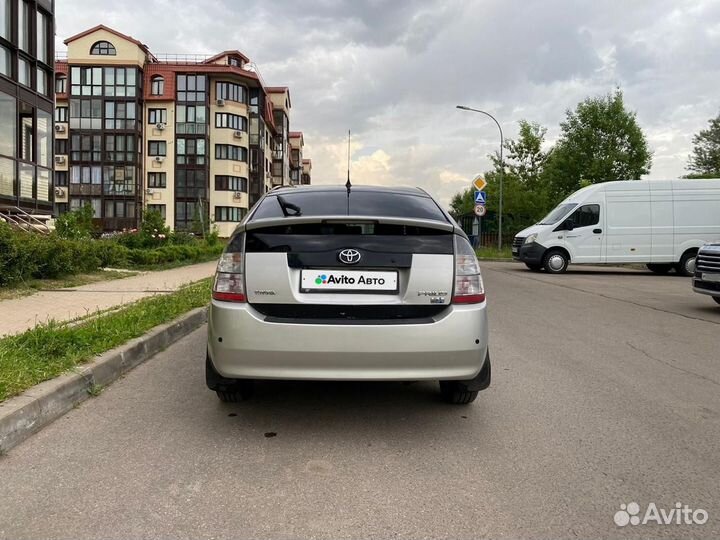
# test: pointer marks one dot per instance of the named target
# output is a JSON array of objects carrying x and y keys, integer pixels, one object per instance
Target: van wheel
[
  {"x": 555, "y": 262},
  {"x": 716, "y": 298},
  {"x": 457, "y": 393},
  {"x": 686, "y": 266},
  {"x": 534, "y": 267},
  {"x": 659, "y": 268}
]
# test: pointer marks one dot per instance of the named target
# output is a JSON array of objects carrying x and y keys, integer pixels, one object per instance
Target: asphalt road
[{"x": 606, "y": 391}]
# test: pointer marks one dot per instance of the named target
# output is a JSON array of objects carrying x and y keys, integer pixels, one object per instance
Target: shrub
[{"x": 75, "y": 225}]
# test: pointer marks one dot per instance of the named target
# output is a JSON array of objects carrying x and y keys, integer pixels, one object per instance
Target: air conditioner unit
[
  {"x": 160, "y": 126},
  {"x": 59, "y": 128},
  {"x": 238, "y": 194},
  {"x": 59, "y": 159},
  {"x": 149, "y": 191},
  {"x": 159, "y": 159},
  {"x": 238, "y": 134},
  {"x": 60, "y": 192},
  {"x": 220, "y": 102}
]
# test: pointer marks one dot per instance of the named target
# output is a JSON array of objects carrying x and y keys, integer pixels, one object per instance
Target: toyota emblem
[{"x": 349, "y": 256}]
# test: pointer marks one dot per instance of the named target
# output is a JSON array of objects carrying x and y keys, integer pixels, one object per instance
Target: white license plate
[
  {"x": 348, "y": 280},
  {"x": 711, "y": 277}
]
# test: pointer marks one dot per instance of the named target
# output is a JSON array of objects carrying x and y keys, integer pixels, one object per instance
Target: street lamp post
[{"x": 502, "y": 168}]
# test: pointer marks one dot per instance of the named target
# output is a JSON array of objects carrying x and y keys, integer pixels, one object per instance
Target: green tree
[
  {"x": 600, "y": 141},
  {"x": 705, "y": 157}
]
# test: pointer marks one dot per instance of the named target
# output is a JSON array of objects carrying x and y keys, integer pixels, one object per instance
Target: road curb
[{"x": 44, "y": 403}]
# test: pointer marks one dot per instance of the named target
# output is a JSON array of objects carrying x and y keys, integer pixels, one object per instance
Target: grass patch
[
  {"x": 51, "y": 349},
  {"x": 34, "y": 285},
  {"x": 494, "y": 253}
]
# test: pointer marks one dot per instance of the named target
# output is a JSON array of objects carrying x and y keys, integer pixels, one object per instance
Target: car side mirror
[{"x": 569, "y": 225}]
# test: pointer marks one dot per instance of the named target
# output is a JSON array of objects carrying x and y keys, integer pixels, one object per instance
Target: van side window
[{"x": 586, "y": 216}]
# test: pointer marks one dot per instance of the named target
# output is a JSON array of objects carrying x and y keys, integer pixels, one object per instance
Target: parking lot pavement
[{"x": 602, "y": 395}]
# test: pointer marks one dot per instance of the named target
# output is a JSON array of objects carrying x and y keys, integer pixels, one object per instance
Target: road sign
[
  {"x": 479, "y": 183},
  {"x": 480, "y": 197},
  {"x": 479, "y": 210}
]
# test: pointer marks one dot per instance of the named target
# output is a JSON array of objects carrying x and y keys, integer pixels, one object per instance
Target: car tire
[
  {"x": 716, "y": 298},
  {"x": 240, "y": 391},
  {"x": 659, "y": 268},
  {"x": 534, "y": 267},
  {"x": 686, "y": 266},
  {"x": 555, "y": 262},
  {"x": 457, "y": 393}
]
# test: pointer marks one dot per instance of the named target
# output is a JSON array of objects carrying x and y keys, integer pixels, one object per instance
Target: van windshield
[{"x": 557, "y": 214}]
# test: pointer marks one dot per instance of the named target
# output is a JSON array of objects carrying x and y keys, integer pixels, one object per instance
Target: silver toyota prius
[{"x": 348, "y": 283}]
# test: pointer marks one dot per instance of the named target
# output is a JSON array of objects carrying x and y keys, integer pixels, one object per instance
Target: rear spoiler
[{"x": 277, "y": 222}]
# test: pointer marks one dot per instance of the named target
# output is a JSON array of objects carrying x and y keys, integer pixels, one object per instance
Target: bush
[{"x": 75, "y": 225}]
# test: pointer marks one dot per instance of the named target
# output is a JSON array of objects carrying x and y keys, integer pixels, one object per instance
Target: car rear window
[{"x": 360, "y": 203}]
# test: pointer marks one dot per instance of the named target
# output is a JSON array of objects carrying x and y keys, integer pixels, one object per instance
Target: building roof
[
  {"x": 107, "y": 29},
  {"x": 226, "y": 53}
]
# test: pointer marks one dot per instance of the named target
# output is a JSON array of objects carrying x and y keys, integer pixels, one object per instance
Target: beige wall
[
  {"x": 280, "y": 101},
  {"x": 128, "y": 53}
]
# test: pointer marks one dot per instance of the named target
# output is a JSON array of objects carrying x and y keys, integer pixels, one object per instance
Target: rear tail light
[
  {"x": 229, "y": 280},
  {"x": 469, "y": 287}
]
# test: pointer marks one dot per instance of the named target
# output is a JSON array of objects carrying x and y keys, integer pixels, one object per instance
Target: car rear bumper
[{"x": 242, "y": 344}]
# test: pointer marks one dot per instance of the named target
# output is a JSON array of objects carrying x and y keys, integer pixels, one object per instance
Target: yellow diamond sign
[{"x": 479, "y": 183}]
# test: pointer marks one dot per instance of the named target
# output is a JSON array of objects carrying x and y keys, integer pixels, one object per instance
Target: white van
[{"x": 660, "y": 223}]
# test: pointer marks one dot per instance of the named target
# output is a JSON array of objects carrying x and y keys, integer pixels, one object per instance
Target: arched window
[
  {"x": 157, "y": 86},
  {"x": 61, "y": 84},
  {"x": 103, "y": 48}
]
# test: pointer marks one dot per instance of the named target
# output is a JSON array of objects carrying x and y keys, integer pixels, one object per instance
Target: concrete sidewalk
[{"x": 22, "y": 314}]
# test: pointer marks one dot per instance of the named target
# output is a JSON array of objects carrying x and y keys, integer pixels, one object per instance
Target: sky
[{"x": 392, "y": 72}]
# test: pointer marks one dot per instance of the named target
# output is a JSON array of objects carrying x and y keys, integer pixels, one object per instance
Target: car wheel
[
  {"x": 716, "y": 298},
  {"x": 534, "y": 267},
  {"x": 555, "y": 262},
  {"x": 659, "y": 268},
  {"x": 457, "y": 393},
  {"x": 686, "y": 266},
  {"x": 240, "y": 391}
]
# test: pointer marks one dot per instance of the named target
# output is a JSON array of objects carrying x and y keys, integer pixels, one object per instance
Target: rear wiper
[{"x": 285, "y": 206}]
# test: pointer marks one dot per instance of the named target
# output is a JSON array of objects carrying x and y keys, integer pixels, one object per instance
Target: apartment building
[
  {"x": 195, "y": 138},
  {"x": 27, "y": 28},
  {"x": 296, "y": 148}
]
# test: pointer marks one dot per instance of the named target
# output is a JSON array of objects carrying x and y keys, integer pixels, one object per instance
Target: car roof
[{"x": 404, "y": 190}]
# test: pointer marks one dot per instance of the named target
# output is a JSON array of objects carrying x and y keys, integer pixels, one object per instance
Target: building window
[
  {"x": 231, "y": 183},
  {"x": 86, "y": 81},
  {"x": 42, "y": 31},
  {"x": 103, "y": 48},
  {"x": 120, "y": 148},
  {"x": 5, "y": 18},
  {"x": 86, "y": 148},
  {"x": 86, "y": 113},
  {"x": 119, "y": 180},
  {"x": 61, "y": 208},
  {"x": 190, "y": 184},
  {"x": 61, "y": 147},
  {"x": 157, "y": 116},
  {"x": 119, "y": 209},
  {"x": 192, "y": 88},
  {"x": 41, "y": 84},
  {"x": 190, "y": 151},
  {"x": 61, "y": 114},
  {"x": 230, "y": 151},
  {"x": 120, "y": 115},
  {"x": 157, "y": 179},
  {"x": 231, "y": 121},
  {"x": 231, "y": 92},
  {"x": 61, "y": 178},
  {"x": 191, "y": 119},
  {"x": 86, "y": 174},
  {"x": 24, "y": 25},
  {"x": 157, "y": 148},
  {"x": 229, "y": 213},
  {"x": 157, "y": 85},
  {"x": 24, "y": 74},
  {"x": 120, "y": 82},
  {"x": 61, "y": 85},
  {"x": 159, "y": 208},
  {"x": 5, "y": 61}
]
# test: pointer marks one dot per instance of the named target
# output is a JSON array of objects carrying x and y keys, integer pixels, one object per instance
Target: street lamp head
[{"x": 463, "y": 107}]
